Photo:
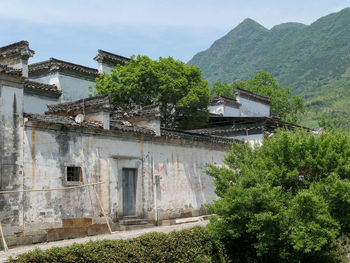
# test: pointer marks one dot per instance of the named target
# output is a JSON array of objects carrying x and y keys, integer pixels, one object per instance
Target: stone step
[
  {"x": 135, "y": 227},
  {"x": 134, "y": 221}
]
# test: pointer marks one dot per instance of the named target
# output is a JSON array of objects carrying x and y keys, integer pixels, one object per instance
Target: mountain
[{"x": 313, "y": 60}]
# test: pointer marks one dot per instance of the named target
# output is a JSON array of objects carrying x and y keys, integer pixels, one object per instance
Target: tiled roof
[
  {"x": 9, "y": 70},
  {"x": 150, "y": 111},
  {"x": 126, "y": 126},
  {"x": 224, "y": 100},
  {"x": 53, "y": 65},
  {"x": 227, "y": 129},
  {"x": 42, "y": 88},
  {"x": 195, "y": 136},
  {"x": 96, "y": 102},
  {"x": 270, "y": 124},
  {"x": 252, "y": 95},
  {"x": 21, "y": 47},
  {"x": 104, "y": 56},
  {"x": 63, "y": 120}
]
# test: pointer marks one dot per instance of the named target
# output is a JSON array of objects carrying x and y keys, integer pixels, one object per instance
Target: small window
[{"x": 74, "y": 174}]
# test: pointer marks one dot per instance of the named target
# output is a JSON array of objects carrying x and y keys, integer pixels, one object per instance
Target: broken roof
[
  {"x": 269, "y": 123},
  {"x": 79, "y": 106},
  {"x": 62, "y": 120},
  {"x": 18, "y": 48},
  {"x": 69, "y": 121},
  {"x": 224, "y": 100},
  {"x": 40, "y": 88},
  {"x": 54, "y": 65},
  {"x": 252, "y": 95},
  {"x": 9, "y": 70},
  {"x": 149, "y": 111},
  {"x": 110, "y": 58}
]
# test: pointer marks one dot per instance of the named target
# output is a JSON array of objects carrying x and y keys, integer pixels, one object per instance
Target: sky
[{"x": 73, "y": 30}]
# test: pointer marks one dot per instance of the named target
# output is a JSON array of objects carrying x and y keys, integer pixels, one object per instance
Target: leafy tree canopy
[
  {"x": 289, "y": 109},
  {"x": 286, "y": 201},
  {"x": 223, "y": 89},
  {"x": 179, "y": 89}
]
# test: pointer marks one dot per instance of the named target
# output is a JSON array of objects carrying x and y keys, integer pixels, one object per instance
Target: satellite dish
[{"x": 79, "y": 118}]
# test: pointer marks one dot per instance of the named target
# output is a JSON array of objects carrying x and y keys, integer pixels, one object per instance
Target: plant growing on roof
[{"x": 179, "y": 89}]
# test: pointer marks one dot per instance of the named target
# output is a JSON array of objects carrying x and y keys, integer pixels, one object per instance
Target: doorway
[{"x": 129, "y": 183}]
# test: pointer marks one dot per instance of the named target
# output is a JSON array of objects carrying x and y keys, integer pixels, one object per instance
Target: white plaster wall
[
  {"x": 225, "y": 110},
  {"x": 52, "y": 79},
  {"x": 74, "y": 88},
  {"x": 252, "y": 108},
  {"x": 37, "y": 104},
  {"x": 254, "y": 139},
  {"x": 232, "y": 111},
  {"x": 217, "y": 109},
  {"x": 184, "y": 187},
  {"x": 103, "y": 68}
]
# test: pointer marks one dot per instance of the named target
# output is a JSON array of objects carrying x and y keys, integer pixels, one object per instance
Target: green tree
[
  {"x": 265, "y": 84},
  {"x": 179, "y": 89},
  {"x": 222, "y": 89},
  {"x": 286, "y": 201}
]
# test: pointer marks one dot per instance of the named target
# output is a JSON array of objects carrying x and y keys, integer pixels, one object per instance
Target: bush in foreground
[
  {"x": 190, "y": 245},
  {"x": 286, "y": 201}
]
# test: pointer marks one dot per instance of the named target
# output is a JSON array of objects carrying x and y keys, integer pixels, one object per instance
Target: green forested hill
[{"x": 313, "y": 60}]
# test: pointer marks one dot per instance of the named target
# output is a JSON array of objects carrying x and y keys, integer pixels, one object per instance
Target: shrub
[
  {"x": 190, "y": 245},
  {"x": 286, "y": 201}
]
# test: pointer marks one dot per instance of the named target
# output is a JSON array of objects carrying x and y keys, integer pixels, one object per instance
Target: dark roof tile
[
  {"x": 53, "y": 65},
  {"x": 252, "y": 95},
  {"x": 21, "y": 47},
  {"x": 224, "y": 100},
  {"x": 92, "y": 103},
  {"x": 42, "y": 88},
  {"x": 110, "y": 58},
  {"x": 8, "y": 70},
  {"x": 63, "y": 120}
]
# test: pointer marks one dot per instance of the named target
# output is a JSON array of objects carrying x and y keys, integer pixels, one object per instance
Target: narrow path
[{"x": 118, "y": 235}]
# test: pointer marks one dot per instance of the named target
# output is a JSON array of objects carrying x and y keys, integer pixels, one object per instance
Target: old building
[{"x": 70, "y": 167}]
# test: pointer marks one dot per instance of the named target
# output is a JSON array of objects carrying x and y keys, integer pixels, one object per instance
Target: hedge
[{"x": 189, "y": 245}]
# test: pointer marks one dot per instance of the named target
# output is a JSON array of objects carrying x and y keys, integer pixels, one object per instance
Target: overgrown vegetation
[
  {"x": 286, "y": 201},
  {"x": 287, "y": 107},
  {"x": 194, "y": 245},
  {"x": 179, "y": 90},
  {"x": 313, "y": 60}
]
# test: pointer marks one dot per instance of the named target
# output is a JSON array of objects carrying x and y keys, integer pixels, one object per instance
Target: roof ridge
[
  {"x": 253, "y": 94},
  {"x": 54, "y": 64},
  {"x": 42, "y": 87}
]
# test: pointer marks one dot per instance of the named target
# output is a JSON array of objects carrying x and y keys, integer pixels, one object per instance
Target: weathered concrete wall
[
  {"x": 183, "y": 190},
  {"x": 252, "y": 108},
  {"x": 11, "y": 154},
  {"x": 34, "y": 103}
]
